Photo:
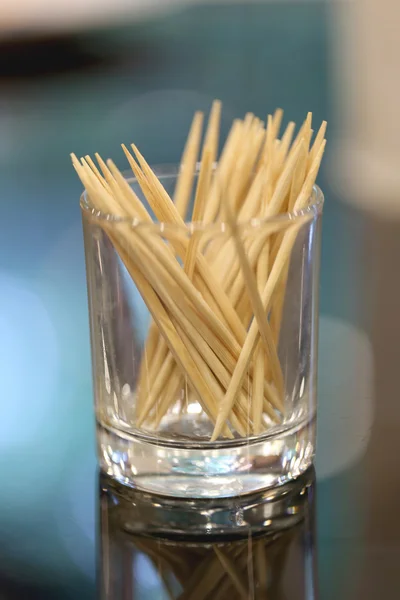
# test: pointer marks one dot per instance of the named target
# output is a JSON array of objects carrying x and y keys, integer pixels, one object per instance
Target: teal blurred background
[{"x": 87, "y": 92}]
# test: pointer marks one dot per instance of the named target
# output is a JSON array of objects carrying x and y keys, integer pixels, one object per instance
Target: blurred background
[{"x": 86, "y": 76}]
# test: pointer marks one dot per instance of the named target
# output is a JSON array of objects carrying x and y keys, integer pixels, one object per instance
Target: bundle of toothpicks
[{"x": 216, "y": 301}]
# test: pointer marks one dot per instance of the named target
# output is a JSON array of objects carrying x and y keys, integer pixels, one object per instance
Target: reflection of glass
[
  {"x": 258, "y": 546},
  {"x": 159, "y": 383}
]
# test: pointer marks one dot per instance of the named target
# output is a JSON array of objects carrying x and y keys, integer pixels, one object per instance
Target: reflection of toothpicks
[
  {"x": 229, "y": 567},
  {"x": 247, "y": 568}
]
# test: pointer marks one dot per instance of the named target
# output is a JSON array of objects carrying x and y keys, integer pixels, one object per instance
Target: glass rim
[{"x": 169, "y": 171}]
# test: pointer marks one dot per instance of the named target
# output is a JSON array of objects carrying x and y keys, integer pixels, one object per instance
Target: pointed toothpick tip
[
  {"x": 136, "y": 150},
  {"x": 125, "y": 149}
]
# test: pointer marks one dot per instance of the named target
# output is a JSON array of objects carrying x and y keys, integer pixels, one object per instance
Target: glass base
[
  {"x": 133, "y": 512},
  {"x": 208, "y": 470}
]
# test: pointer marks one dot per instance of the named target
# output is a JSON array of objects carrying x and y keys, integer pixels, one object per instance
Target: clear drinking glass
[{"x": 167, "y": 337}]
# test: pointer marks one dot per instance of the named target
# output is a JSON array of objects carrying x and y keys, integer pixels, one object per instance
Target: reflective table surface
[{"x": 260, "y": 546}]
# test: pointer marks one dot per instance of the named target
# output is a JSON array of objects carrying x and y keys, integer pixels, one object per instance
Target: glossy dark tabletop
[
  {"x": 142, "y": 83},
  {"x": 259, "y": 546}
]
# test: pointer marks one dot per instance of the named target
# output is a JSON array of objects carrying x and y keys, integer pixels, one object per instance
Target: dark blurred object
[
  {"x": 57, "y": 56},
  {"x": 256, "y": 546},
  {"x": 46, "y": 57},
  {"x": 12, "y": 590}
]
